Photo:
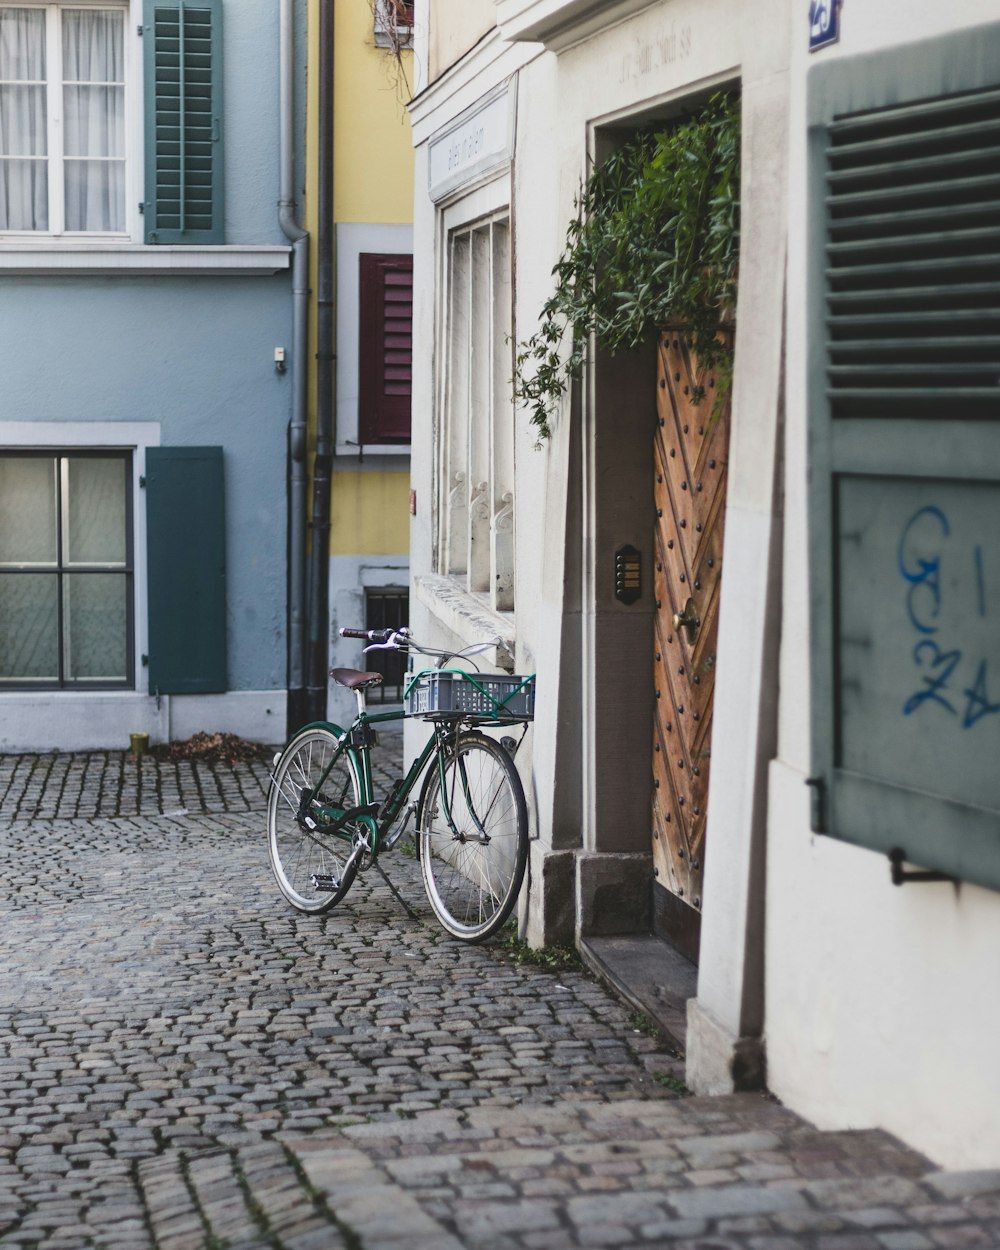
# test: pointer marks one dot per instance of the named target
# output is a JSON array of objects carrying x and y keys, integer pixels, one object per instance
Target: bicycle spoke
[
  {"x": 474, "y": 845},
  {"x": 299, "y": 853}
]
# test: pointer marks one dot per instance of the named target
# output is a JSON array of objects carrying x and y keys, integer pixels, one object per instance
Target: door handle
[{"x": 688, "y": 619}]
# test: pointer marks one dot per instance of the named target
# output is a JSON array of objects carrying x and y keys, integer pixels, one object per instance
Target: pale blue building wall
[
  {"x": 197, "y": 356},
  {"x": 192, "y": 353}
]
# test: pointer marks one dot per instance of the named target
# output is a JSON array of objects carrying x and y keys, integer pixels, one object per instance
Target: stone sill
[
  {"x": 468, "y": 617},
  {"x": 131, "y": 259}
]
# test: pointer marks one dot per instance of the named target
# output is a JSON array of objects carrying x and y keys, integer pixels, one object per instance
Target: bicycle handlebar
[
  {"x": 402, "y": 640},
  {"x": 370, "y": 635}
]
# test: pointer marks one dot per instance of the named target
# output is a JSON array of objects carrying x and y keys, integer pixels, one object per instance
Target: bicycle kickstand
[{"x": 399, "y": 898}]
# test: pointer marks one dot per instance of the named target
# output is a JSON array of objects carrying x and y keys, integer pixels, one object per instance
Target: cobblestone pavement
[{"x": 188, "y": 1064}]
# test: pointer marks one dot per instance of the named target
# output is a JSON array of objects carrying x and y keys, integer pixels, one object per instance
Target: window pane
[
  {"x": 22, "y": 120},
  {"x": 95, "y": 623},
  {"x": 24, "y": 195},
  {"x": 22, "y": 45},
  {"x": 28, "y": 510},
  {"x": 29, "y": 627},
  {"x": 95, "y": 196},
  {"x": 95, "y": 511},
  {"x": 24, "y": 187},
  {"x": 94, "y": 121},
  {"x": 94, "y": 45}
]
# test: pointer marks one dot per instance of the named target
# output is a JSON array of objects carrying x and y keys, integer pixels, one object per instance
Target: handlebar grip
[{"x": 366, "y": 634}]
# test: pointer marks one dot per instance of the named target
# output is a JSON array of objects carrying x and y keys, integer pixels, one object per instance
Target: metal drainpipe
[
  {"x": 298, "y": 477},
  {"x": 318, "y": 647}
]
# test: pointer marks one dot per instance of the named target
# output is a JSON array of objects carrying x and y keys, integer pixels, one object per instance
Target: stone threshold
[{"x": 648, "y": 973}]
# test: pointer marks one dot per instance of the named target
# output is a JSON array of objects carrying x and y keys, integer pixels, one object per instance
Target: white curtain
[
  {"x": 94, "y": 118},
  {"x": 24, "y": 186},
  {"x": 93, "y": 106}
]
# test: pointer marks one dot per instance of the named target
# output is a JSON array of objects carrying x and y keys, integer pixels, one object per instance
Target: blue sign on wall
[{"x": 824, "y": 23}]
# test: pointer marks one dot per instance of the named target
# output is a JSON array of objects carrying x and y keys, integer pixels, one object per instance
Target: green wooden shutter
[
  {"x": 904, "y": 451},
  {"x": 182, "y": 58},
  {"x": 186, "y": 548}
]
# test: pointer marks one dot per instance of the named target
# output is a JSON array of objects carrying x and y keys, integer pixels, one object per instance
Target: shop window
[{"x": 476, "y": 506}]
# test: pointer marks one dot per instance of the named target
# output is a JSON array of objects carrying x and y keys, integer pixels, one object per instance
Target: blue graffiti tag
[
  {"x": 922, "y": 571},
  {"x": 943, "y": 660},
  {"x": 918, "y": 558}
]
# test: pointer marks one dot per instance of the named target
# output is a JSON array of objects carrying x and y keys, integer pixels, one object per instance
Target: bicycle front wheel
[
  {"x": 311, "y": 866},
  {"x": 473, "y": 834}
]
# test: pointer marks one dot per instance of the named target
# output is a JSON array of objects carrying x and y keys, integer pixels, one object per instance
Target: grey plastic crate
[{"x": 447, "y": 693}]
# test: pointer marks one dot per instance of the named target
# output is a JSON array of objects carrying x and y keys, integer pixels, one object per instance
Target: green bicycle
[{"x": 325, "y": 825}]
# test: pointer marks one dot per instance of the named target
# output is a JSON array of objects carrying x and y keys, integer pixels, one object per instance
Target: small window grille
[{"x": 387, "y": 609}]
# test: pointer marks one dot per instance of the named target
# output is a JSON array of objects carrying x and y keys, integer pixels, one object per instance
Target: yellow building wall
[
  {"x": 370, "y": 513},
  {"x": 372, "y": 145},
  {"x": 373, "y": 182}
]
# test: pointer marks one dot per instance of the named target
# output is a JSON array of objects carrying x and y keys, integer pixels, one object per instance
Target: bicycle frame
[{"x": 357, "y": 742}]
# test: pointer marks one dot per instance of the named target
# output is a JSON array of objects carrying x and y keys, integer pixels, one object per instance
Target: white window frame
[
  {"x": 56, "y": 235},
  {"x": 34, "y": 252},
  {"x": 116, "y": 436},
  {"x": 474, "y": 445}
]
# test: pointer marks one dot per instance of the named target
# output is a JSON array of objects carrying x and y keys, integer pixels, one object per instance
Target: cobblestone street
[{"x": 188, "y": 1064}]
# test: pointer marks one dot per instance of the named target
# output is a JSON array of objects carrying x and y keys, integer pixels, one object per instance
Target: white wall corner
[{"x": 717, "y": 1061}]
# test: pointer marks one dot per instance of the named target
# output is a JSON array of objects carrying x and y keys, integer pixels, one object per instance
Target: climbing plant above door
[{"x": 655, "y": 239}]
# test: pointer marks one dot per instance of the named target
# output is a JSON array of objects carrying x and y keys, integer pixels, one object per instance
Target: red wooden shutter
[{"x": 386, "y": 350}]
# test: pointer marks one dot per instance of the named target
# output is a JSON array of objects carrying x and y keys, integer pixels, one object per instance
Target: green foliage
[
  {"x": 655, "y": 240},
  {"x": 554, "y": 958},
  {"x": 674, "y": 1083},
  {"x": 641, "y": 1023}
]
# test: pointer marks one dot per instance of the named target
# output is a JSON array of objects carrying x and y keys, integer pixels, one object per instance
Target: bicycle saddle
[{"x": 354, "y": 679}]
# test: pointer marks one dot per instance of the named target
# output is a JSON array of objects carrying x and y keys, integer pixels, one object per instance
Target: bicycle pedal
[{"x": 323, "y": 881}]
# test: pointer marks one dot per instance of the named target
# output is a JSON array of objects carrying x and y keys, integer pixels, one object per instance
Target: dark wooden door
[{"x": 690, "y": 465}]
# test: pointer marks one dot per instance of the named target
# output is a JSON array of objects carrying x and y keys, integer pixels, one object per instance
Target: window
[
  {"x": 386, "y": 348},
  {"x": 387, "y": 608},
  {"x": 65, "y": 569},
  {"x": 904, "y": 471},
  {"x": 69, "y": 141},
  {"x": 394, "y": 23},
  {"x": 62, "y": 119},
  {"x": 476, "y": 472}
]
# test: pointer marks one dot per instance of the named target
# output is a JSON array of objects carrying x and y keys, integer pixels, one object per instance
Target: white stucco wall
[{"x": 882, "y": 1003}]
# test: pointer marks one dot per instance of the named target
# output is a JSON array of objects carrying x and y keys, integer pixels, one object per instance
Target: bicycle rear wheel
[
  {"x": 311, "y": 867},
  {"x": 473, "y": 837}
]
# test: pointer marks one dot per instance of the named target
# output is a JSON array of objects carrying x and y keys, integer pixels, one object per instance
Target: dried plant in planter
[
  {"x": 393, "y": 21},
  {"x": 655, "y": 239}
]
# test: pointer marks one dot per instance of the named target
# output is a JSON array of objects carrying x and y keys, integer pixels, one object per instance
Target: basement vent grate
[{"x": 913, "y": 259}]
